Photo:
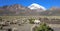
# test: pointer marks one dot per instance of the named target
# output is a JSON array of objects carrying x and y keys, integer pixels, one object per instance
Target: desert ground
[{"x": 20, "y": 25}]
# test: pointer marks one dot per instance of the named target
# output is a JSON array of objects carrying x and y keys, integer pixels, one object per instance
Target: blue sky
[{"x": 46, "y": 3}]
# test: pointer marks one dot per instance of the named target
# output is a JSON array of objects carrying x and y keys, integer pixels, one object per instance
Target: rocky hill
[
  {"x": 15, "y": 9},
  {"x": 54, "y": 11}
]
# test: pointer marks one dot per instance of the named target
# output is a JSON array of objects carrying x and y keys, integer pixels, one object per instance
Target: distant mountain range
[{"x": 33, "y": 9}]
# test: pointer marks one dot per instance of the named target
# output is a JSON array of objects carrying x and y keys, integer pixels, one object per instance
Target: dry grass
[{"x": 27, "y": 17}]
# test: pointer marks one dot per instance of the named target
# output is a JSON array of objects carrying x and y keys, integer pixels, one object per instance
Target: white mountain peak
[{"x": 36, "y": 6}]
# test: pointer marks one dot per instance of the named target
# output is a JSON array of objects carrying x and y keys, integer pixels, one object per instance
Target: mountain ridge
[{"x": 19, "y": 10}]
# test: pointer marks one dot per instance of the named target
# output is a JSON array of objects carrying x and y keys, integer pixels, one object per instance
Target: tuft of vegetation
[
  {"x": 43, "y": 27},
  {"x": 31, "y": 21},
  {"x": 0, "y": 18}
]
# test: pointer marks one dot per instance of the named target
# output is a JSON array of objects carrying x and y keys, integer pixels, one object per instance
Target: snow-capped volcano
[{"x": 38, "y": 7}]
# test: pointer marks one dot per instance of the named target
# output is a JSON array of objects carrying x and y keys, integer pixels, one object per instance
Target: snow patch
[{"x": 36, "y": 6}]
